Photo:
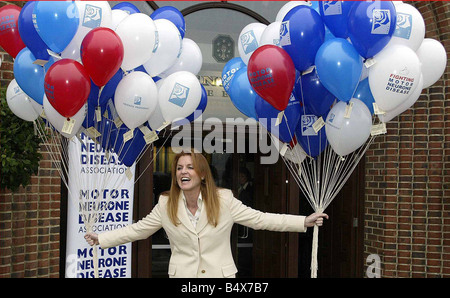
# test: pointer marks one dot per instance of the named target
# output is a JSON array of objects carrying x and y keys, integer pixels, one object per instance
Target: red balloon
[
  {"x": 67, "y": 86},
  {"x": 10, "y": 39},
  {"x": 102, "y": 54},
  {"x": 271, "y": 73}
]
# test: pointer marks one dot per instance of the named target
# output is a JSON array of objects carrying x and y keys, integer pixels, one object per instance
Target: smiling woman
[
  {"x": 198, "y": 217},
  {"x": 188, "y": 168}
]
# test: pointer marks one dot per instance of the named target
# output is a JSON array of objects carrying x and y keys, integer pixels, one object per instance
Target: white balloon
[
  {"x": 271, "y": 35},
  {"x": 345, "y": 135},
  {"x": 179, "y": 95},
  {"x": 167, "y": 49},
  {"x": 19, "y": 103},
  {"x": 138, "y": 35},
  {"x": 433, "y": 58},
  {"x": 190, "y": 59},
  {"x": 57, "y": 120},
  {"x": 394, "y": 76},
  {"x": 156, "y": 119},
  {"x": 410, "y": 28},
  {"x": 92, "y": 14},
  {"x": 117, "y": 16},
  {"x": 287, "y": 7},
  {"x": 249, "y": 40},
  {"x": 135, "y": 98},
  {"x": 409, "y": 102},
  {"x": 38, "y": 108}
]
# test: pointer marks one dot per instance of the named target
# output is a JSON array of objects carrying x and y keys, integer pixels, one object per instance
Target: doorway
[
  {"x": 232, "y": 171},
  {"x": 264, "y": 254}
]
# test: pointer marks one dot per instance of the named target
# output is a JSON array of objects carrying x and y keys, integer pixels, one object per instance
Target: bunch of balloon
[
  {"x": 75, "y": 58},
  {"x": 325, "y": 77},
  {"x": 113, "y": 77}
]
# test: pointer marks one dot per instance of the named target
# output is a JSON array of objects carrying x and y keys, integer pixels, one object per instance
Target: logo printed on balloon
[
  {"x": 249, "y": 42},
  {"x": 331, "y": 8},
  {"x": 403, "y": 27},
  {"x": 7, "y": 22},
  {"x": 179, "y": 95},
  {"x": 331, "y": 118},
  {"x": 92, "y": 16},
  {"x": 261, "y": 77},
  {"x": 155, "y": 48},
  {"x": 137, "y": 100},
  {"x": 307, "y": 125},
  {"x": 49, "y": 91},
  {"x": 381, "y": 21},
  {"x": 285, "y": 36},
  {"x": 400, "y": 83}
]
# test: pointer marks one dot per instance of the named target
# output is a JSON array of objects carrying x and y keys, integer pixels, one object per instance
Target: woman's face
[{"x": 187, "y": 178}]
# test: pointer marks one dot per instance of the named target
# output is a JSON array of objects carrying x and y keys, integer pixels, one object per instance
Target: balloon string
[{"x": 359, "y": 80}]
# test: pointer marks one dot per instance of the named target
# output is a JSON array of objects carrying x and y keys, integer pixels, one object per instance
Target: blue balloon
[
  {"x": 301, "y": 35},
  {"x": 110, "y": 88},
  {"x": 128, "y": 152},
  {"x": 104, "y": 127},
  {"x": 371, "y": 25},
  {"x": 28, "y": 33},
  {"x": 172, "y": 14},
  {"x": 364, "y": 94},
  {"x": 229, "y": 70},
  {"x": 49, "y": 63},
  {"x": 335, "y": 16},
  {"x": 126, "y": 6},
  {"x": 242, "y": 94},
  {"x": 312, "y": 143},
  {"x": 285, "y": 131},
  {"x": 29, "y": 76},
  {"x": 56, "y": 23},
  {"x": 339, "y": 67},
  {"x": 314, "y": 95}
]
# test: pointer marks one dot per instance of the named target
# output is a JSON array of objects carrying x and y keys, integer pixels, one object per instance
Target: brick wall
[{"x": 407, "y": 210}]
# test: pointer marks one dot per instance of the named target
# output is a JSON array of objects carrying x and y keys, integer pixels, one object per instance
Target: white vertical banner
[{"x": 101, "y": 191}]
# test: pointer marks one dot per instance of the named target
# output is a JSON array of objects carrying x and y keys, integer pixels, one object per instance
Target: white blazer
[{"x": 204, "y": 251}]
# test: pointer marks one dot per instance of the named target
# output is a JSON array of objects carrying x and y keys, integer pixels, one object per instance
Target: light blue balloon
[
  {"x": 29, "y": 76},
  {"x": 242, "y": 94},
  {"x": 230, "y": 68},
  {"x": 315, "y": 5},
  {"x": 364, "y": 94},
  {"x": 339, "y": 67},
  {"x": 56, "y": 23}
]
